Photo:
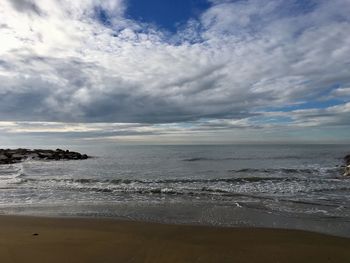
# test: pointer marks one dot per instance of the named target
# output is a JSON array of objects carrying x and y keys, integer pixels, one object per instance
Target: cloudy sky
[{"x": 185, "y": 71}]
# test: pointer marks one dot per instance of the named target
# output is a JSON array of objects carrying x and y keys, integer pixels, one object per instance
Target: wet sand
[{"x": 65, "y": 240}]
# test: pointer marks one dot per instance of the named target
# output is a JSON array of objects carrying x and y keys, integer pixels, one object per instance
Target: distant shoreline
[{"x": 35, "y": 239}]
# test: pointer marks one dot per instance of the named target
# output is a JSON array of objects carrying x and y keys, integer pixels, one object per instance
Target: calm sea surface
[{"x": 291, "y": 186}]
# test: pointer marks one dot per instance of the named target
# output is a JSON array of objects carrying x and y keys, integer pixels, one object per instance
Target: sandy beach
[{"x": 31, "y": 239}]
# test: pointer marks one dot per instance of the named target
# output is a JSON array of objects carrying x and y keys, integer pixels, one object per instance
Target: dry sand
[{"x": 100, "y": 240}]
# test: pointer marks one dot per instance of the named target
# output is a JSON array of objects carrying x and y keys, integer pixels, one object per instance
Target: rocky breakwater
[
  {"x": 8, "y": 156},
  {"x": 347, "y": 165}
]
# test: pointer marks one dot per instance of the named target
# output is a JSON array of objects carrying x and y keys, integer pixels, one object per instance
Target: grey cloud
[
  {"x": 26, "y": 6},
  {"x": 340, "y": 93},
  {"x": 90, "y": 73},
  {"x": 4, "y": 64},
  {"x": 332, "y": 116},
  {"x": 86, "y": 135},
  {"x": 114, "y": 130},
  {"x": 4, "y": 26}
]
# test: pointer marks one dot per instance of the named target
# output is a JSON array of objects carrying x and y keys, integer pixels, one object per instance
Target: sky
[{"x": 174, "y": 72}]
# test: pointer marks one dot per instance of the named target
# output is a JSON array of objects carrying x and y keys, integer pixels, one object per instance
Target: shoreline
[
  {"x": 187, "y": 213},
  {"x": 123, "y": 220},
  {"x": 59, "y": 239}
]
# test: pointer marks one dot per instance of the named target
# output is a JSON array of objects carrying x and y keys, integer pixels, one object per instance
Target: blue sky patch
[
  {"x": 167, "y": 15},
  {"x": 271, "y": 120},
  {"x": 307, "y": 105},
  {"x": 298, "y": 7},
  {"x": 102, "y": 16}
]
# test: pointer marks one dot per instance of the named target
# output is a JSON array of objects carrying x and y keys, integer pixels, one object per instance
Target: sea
[{"x": 275, "y": 186}]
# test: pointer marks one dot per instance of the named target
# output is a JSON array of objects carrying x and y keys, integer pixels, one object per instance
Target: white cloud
[
  {"x": 59, "y": 62},
  {"x": 338, "y": 115},
  {"x": 341, "y": 93}
]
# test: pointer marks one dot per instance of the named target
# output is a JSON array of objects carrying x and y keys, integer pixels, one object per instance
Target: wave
[
  {"x": 332, "y": 189},
  {"x": 198, "y": 159},
  {"x": 221, "y": 185},
  {"x": 314, "y": 203},
  {"x": 10, "y": 175},
  {"x": 10, "y": 169},
  {"x": 306, "y": 171},
  {"x": 259, "y": 181},
  {"x": 164, "y": 181}
]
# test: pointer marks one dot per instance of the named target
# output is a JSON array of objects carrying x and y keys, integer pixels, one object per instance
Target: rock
[
  {"x": 347, "y": 159},
  {"x": 347, "y": 170},
  {"x": 18, "y": 156},
  {"x": 347, "y": 165},
  {"x": 44, "y": 155},
  {"x": 33, "y": 156},
  {"x": 8, "y": 156}
]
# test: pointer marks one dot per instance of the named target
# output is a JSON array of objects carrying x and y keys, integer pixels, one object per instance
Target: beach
[
  {"x": 35, "y": 239},
  {"x": 279, "y": 203}
]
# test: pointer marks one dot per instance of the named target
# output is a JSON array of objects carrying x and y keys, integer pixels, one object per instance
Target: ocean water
[{"x": 288, "y": 186}]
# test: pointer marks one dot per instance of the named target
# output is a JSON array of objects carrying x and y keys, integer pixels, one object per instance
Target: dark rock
[
  {"x": 347, "y": 165},
  {"x": 9, "y": 156},
  {"x": 347, "y": 170},
  {"x": 347, "y": 159}
]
